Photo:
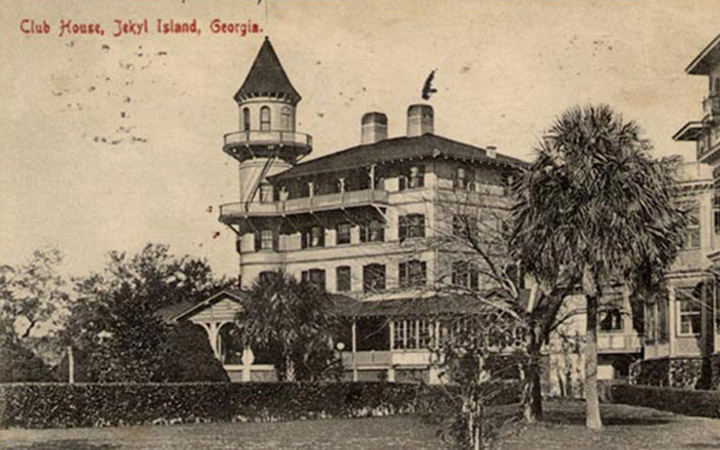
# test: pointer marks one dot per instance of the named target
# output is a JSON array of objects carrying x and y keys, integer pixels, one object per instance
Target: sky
[{"x": 109, "y": 142}]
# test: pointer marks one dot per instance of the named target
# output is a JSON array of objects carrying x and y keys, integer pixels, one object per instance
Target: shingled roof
[
  {"x": 267, "y": 77},
  {"x": 400, "y": 148}
]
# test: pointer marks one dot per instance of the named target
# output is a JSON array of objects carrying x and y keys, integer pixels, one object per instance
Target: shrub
[
  {"x": 681, "y": 401},
  {"x": 52, "y": 405},
  {"x": 18, "y": 363},
  {"x": 189, "y": 356}
]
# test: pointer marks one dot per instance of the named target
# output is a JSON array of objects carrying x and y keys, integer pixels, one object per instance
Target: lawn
[{"x": 627, "y": 427}]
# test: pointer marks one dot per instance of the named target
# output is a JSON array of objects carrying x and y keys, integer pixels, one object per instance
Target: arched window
[
  {"x": 246, "y": 119},
  {"x": 286, "y": 122},
  {"x": 265, "y": 118}
]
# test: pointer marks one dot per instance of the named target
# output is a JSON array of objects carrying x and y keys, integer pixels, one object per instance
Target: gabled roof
[
  {"x": 183, "y": 309},
  {"x": 267, "y": 77},
  {"x": 396, "y": 149},
  {"x": 708, "y": 59}
]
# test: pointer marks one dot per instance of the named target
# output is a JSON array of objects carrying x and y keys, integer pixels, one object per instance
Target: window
[
  {"x": 266, "y": 240},
  {"x": 266, "y": 193},
  {"x": 663, "y": 330},
  {"x": 342, "y": 278},
  {"x": 246, "y": 119},
  {"x": 286, "y": 119},
  {"x": 343, "y": 234},
  {"x": 267, "y": 276},
  {"x": 315, "y": 277},
  {"x": 372, "y": 232},
  {"x": 611, "y": 320},
  {"x": 412, "y": 273},
  {"x": 411, "y": 226},
  {"x": 373, "y": 277},
  {"x": 464, "y": 179},
  {"x": 405, "y": 334},
  {"x": 464, "y": 274},
  {"x": 460, "y": 223},
  {"x": 716, "y": 213},
  {"x": 426, "y": 331},
  {"x": 689, "y": 311},
  {"x": 313, "y": 237},
  {"x": 413, "y": 178},
  {"x": 650, "y": 322},
  {"x": 265, "y": 118},
  {"x": 692, "y": 238}
]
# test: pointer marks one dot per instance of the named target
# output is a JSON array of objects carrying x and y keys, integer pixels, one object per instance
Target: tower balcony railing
[
  {"x": 258, "y": 137},
  {"x": 619, "y": 343},
  {"x": 347, "y": 199},
  {"x": 711, "y": 107}
]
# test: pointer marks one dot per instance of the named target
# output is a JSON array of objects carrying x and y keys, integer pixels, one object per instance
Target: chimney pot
[
  {"x": 491, "y": 151},
  {"x": 373, "y": 128},
  {"x": 420, "y": 120}
]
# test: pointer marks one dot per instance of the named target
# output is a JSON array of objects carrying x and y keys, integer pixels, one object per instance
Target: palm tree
[
  {"x": 295, "y": 320},
  {"x": 595, "y": 202}
]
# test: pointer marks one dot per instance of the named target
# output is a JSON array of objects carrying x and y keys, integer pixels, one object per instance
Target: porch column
[
  {"x": 433, "y": 376},
  {"x": 354, "y": 350},
  {"x": 672, "y": 326},
  {"x": 213, "y": 334},
  {"x": 391, "y": 368},
  {"x": 372, "y": 176},
  {"x": 247, "y": 359}
]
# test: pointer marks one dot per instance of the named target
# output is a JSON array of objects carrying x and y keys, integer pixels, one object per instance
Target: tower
[{"x": 266, "y": 142}]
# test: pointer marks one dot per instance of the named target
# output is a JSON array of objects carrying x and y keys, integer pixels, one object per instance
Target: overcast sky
[{"x": 111, "y": 142}]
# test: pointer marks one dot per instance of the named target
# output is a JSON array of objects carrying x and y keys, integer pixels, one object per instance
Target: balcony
[
  {"x": 711, "y": 108},
  {"x": 619, "y": 343},
  {"x": 245, "y": 144},
  {"x": 232, "y": 212}
]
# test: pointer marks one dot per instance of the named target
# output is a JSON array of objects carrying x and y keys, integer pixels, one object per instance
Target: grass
[{"x": 626, "y": 427}]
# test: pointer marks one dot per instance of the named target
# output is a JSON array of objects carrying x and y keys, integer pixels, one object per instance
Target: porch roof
[{"x": 429, "y": 305}]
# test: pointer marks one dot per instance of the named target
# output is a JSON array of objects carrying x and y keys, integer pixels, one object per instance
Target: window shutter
[
  {"x": 258, "y": 243},
  {"x": 276, "y": 240}
]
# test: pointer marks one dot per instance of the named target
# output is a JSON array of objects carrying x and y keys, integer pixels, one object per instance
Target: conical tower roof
[{"x": 267, "y": 77}]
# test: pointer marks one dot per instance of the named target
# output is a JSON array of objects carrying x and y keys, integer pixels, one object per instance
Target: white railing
[
  {"x": 609, "y": 342},
  {"x": 711, "y": 106},
  {"x": 268, "y": 137},
  {"x": 296, "y": 205}
]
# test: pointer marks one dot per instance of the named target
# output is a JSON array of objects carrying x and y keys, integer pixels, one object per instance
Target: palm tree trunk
[
  {"x": 532, "y": 392},
  {"x": 592, "y": 402}
]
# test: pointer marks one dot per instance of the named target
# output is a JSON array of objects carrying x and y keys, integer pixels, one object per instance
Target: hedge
[
  {"x": 681, "y": 401},
  {"x": 62, "y": 405}
]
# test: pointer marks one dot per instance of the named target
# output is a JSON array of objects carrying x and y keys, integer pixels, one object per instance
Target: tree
[
  {"x": 295, "y": 320},
  {"x": 478, "y": 231},
  {"x": 595, "y": 203},
  {"x": 114, "y": 323},
  {"x": 32, "y": 295}
]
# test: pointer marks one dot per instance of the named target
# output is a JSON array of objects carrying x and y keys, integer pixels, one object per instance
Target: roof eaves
[{"x": 700, "y": 65}]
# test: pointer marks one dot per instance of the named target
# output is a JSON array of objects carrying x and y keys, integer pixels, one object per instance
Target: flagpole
[{"x": 267, "y": 30}]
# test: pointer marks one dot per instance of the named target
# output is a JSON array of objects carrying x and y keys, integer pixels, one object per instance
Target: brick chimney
[
  {"x": 374, "y": 128},
  {"x": 420, "y": 120}
]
